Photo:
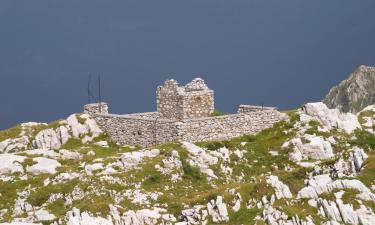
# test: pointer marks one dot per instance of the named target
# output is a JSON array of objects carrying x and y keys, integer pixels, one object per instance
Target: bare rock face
[
  {"x": 331, "y": 118},
  {"x": 355, "y": 93}
]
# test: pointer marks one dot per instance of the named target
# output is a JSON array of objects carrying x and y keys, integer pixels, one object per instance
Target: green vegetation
[
  {"x": 80, "y": 119},
  {"x": 10, "y": 133},
  {"x": 363, "y": 139},
  {"x": 42, "y": 193},
  {"x": 217, "y": 113}
]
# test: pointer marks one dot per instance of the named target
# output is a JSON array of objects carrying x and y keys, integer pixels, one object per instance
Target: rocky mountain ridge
[
  {"x": 355, "y": 93},
  {"x": 316, "y": 167}
]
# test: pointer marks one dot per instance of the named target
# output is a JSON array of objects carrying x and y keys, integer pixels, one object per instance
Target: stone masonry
[
  {"x": 194, "y": 100},
  {"x": 183, "y": 114}
]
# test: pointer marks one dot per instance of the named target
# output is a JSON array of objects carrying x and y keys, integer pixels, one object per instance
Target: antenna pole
[
  {"x": 100, "y": 94},
  {"x": 88, "y": 89}
]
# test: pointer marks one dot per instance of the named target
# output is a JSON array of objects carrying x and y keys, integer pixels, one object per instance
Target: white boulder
[
  {"x": 201, "y": 158},
  {"x": 10, "y": 163},
  {"x": 281, "y": 190},
  {"x": 218, "y": 210},
  {"x": 316, "y": 148},
  {"x": 47, "y": 139},
  {"x": 353, "y": 165},
  {"x": 43, "y": 165},
  {"x": 12, "y": 144},
  {"x": 131, "y": 160},
  {"x": 44, "y": 215},
  {"x": 331, "y": 118}
]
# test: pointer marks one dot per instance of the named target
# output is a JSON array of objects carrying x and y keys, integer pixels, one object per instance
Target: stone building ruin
[{"x": 184, "y": 113}]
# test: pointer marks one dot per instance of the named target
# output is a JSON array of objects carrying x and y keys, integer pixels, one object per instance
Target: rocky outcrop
[
  {"x": 353, "y": 165},
  {"x": 340, "y": 212},
  {"x": 218, "y": 210},
  {"x": 43, "y": 165},
  {"x": 130, "y": 160},
  {"x": 281, "y": 190},
  {"x": 10, "y": 163},
  {"x": 138, "y": 217},
  {"x": 51, "y": 139},
  {"x": 201, "y": 158},
  {"x": 55, "y": 138},
  {"x": 355, "y": 93},
  {"x": 273, "y": 216},
  {"x": 13, "y": 144},
  {"x": 331, "y": 118},
  {"x": 315, "y": 148},
  {"x": 323, "y": 184}
]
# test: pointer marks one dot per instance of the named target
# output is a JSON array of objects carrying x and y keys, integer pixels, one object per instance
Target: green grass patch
[
  {"x": 13, "y": 132},
  {"x": 42, "y": 193},
  {"x": 364, "y": 140}
]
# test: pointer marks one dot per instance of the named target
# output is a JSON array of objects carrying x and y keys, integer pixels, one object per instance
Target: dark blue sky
[{"x": 276, "y": 52}]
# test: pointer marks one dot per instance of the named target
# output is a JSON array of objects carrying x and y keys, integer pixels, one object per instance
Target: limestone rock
[
  {"x": 43, "y": 165},
  {"x": 10, "y": 163},
  {"x": 281, "y": 190},
  {"x": 331, "y": 118},
  {"x": 218, "y": 210},
  {"x": 10, "y": 144},
  {"x": 131, "y": 160},
  {"x": 353, "y": 165},
  {"x": 355, "y": 93},
  {"x": 324, "y": 184},
  {"x": 316, "y": 148},
  {"x": 48, "y": 139},
  {"x": 201, "y": 159},
  {"x": 44, "y": 215}
]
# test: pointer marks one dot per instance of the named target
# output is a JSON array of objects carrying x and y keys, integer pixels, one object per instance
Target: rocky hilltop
[
  {"x": 315, "y": 167},
  {"x": 355, "y": 93}
]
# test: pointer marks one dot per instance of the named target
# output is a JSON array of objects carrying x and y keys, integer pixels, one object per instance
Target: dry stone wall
[
  {"x": 148, "y": 129},
  {"x": 228, "y": 126},
  {"x": 137, "y": 130}
]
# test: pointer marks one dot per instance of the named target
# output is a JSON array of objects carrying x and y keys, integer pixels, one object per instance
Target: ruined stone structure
[
  {"x": 194, "y": 100},
  {"x": 183, "y": 114}
]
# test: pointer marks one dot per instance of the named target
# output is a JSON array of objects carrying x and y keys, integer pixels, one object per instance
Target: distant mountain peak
[{"x": 354, "y": 93}]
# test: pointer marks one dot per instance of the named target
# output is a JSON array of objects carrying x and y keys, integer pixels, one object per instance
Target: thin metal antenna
[
  {"x": 100, "y": 94},
  {"x": 88, "y": 90}
]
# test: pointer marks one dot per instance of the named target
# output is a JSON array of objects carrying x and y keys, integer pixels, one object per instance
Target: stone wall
[
  {"x": 96, "y": 108},
  {"x": 253, "y": 108},
  {"x": 137, "y": 129},
  {"x": 147, "y": 129},
  {"x": 228, "y": 126}
]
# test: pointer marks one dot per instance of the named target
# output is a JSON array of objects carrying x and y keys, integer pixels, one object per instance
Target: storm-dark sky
[{"x": 274, "y": 52}]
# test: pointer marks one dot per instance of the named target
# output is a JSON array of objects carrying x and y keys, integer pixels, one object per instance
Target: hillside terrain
[
  {"x": 354, "y": 93},
  {"x": 316, "y": 167}
]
